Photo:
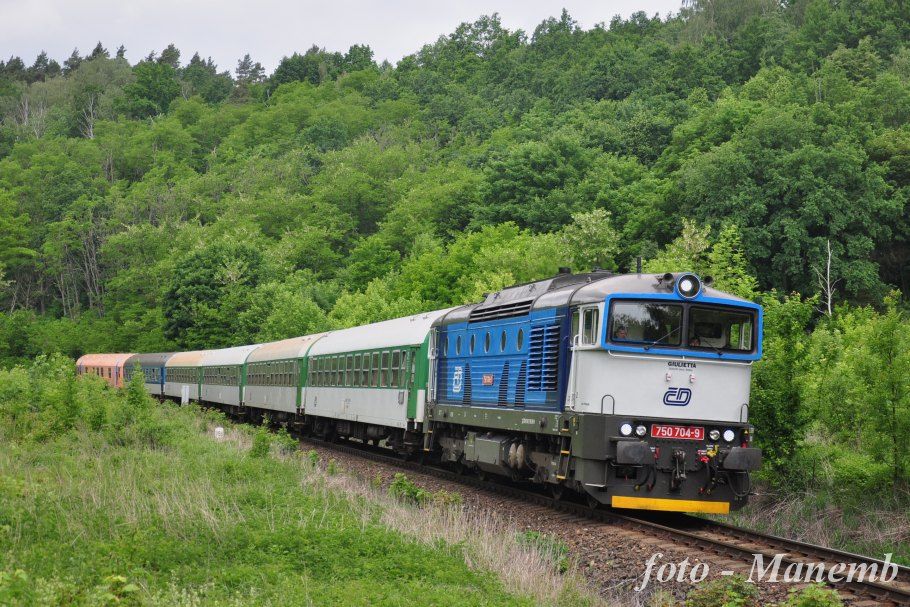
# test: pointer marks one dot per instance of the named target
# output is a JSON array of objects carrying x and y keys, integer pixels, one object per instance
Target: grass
[
  {"x": 129, "y": 503},
  {"x": 868, "y": 527}
]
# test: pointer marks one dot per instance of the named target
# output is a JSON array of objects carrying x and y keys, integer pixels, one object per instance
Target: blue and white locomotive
[{"x": 630, "y": 389}]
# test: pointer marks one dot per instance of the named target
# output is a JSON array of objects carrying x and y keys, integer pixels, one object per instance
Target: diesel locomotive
[{"x": 631, "y": 390}]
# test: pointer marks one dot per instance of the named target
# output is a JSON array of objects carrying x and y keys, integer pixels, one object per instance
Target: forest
[{"x": 177, "y": 204}]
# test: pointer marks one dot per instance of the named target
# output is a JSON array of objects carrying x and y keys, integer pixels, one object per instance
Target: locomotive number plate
[{"x": 678, "y": 432}]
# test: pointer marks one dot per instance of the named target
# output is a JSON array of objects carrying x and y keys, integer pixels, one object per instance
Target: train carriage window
[
  {"x": 356, "y": 378},
  {"x": 384, "y": 370},
  {"x": 486, "y": 342},
  {"x": 365, "y": 371},
  {"x": 502, "y": 342},
  {"x": 458, "y": 345},
  {"x": 339, "y": 375},
  {"x": 591, "y": 321},
  {"x": 374, "y": 371},
  {"x": 473, "y": 342},
  {"x": 396, "y": 363},
  {"x": 520, "y": 342},
  {"x": 349, "y": 379}
]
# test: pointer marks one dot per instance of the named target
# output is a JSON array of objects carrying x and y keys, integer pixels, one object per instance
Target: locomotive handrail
[{"x": 673, "y": 358}]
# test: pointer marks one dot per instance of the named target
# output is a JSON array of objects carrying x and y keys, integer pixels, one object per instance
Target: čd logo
[{"x": 677, "y": 397}]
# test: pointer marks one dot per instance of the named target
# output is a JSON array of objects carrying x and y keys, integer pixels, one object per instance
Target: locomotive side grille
[
  {"x": 504, "y": 385},
  {"x": 544, "y": 358},
  {"x": 466, "y": 396},
  {"x": 506, "y": 310},
  {"x": 521, "y": 384}
]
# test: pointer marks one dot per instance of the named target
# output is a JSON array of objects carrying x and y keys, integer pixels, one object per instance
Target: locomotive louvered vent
[
  {"x": 544, "y": 358},
  {"x": 521, "y": 384},
  {"x": 503, "y": 310},
  {"x": 504, "y": 385},
  {"x": 466, "y": 395}
]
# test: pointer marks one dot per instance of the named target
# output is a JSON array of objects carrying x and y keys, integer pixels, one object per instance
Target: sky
[{"x": 270, "y": 29}]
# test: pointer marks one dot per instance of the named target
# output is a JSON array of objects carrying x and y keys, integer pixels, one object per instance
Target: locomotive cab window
[
  {"x": 640, "y": 322},
  {"x": 590, "y": 322},
  {"x": 720, "y": 329}
]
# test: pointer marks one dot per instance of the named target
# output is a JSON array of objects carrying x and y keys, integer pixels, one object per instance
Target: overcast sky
[{"x": 270, "y": 29}]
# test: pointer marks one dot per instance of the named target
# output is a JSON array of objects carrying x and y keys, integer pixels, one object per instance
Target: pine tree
[
  {"x": 121, "y": 52},
  {"x": 99, "y": 51},
  {"x": 249, "y": 71},
  {"x": 39, "y": 69},
  {"x": 170, "y": 56},
  {"x": 73, "y": 63}
]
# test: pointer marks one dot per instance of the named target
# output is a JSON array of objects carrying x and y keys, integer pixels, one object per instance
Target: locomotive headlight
[
  {"x": 729, "y": 435},
  {"x": 688, "y": 285},
  {"x": 641, "y": 430},
  {"x": 625, "y": 429},
  {"x": 714, "y": 434}
]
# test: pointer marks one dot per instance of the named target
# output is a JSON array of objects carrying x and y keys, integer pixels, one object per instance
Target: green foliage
[
  {"x": 776, "y": 409},
  {"x": 285, "y": 443},
  {"x": 855, "y": 385},
  {"x": 815, "y": 595},
  {"x": 406, "y": 490},
  {"x": 262, "y": 442},
  {"x": 152, "y": 92},
  {"x": 312, "y": 456},
  {"x": 732, "y": 591}
]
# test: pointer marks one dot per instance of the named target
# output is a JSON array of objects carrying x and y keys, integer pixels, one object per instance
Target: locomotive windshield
[
  {"x": 720, "y": 329},
  {"x": 714, "y": 328},
  {"x": 647, "y": 323}
]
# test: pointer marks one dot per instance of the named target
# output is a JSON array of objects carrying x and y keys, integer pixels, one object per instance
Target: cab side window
[{"x": 590, "y": 324}]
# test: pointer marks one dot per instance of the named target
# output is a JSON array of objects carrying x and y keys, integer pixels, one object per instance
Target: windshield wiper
[
  {"x": 660, "y": 339},
  {"x": 713, "y": 347}
]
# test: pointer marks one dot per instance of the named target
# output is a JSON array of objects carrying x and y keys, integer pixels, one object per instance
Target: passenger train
[{"x": 630, "y": 390}]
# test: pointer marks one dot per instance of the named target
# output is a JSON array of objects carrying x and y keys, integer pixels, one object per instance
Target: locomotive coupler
[{"x": 679, "y": 469}]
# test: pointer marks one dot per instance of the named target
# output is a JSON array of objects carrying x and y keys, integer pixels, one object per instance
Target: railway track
[{"x": 727, "y": 543}]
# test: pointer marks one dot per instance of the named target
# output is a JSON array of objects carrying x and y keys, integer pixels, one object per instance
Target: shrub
[
  {"x": 262, "y": 442},
  {"x": 447, "y": 499},
  {"x": 286, "y": 443},
  {"x": 733, "y": 591},
  {"x": 815, "y": 595},
  {"x": 376, "y": 481},
  {"x": 313, "y": 456},
  {"x": 406, "y": 490}
]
